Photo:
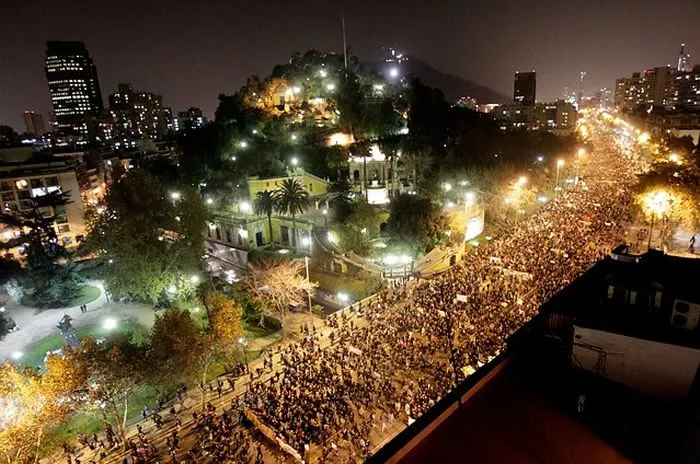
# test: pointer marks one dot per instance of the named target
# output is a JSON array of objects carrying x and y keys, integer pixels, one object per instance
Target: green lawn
[
  {"x": 35, "y": 353},
  {"x": 87, "y": 294}
]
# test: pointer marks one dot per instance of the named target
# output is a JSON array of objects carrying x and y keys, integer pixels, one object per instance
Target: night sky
[{"x": 190, "y": 51}]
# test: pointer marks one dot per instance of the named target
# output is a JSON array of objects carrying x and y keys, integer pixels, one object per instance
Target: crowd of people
[{"x": 410, "y": 346}]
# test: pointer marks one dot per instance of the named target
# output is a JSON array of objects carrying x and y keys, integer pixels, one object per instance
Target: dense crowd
[{"x": 410, "y": 346}]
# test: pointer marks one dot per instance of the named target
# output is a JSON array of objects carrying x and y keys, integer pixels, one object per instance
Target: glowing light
[
  {"x": 394, "y": 72},
  {"x": 172, "y": 289},
  {"x": 522, "y": 180},
  {"x": 469, "y": 198},
  {"x": 542, "y": 199},
  {"x": 196, "y": 309},
  {"x": 560, "y": 163},
  {"x": 324, "y": 211},
  {"x": 210, "y": 201},
  {"x": 581, "y": 151},
  {"x": 450, "y": 204},
  {"x": 194, "y": 279},
  {"x": 297, "y": 90},
  {"x": 294, "y": 161},
  {"x": 658, "y": 202},
  {"x": 343, "y": 297},
  {"x": 323, "y": 73},
  {"x": 540, "y": 159},
  {"x": 243, "y": 144},
  {"x": 283, "y": 251},
  {"x": 294, "y": 136},
  {"x": 331, "y": 237},
  {"x": 447, "y": 186},
  {"x": 643, "y": 137},
  {"x": 305, "y": 241},
  {"x": 330, "y": 87},
  {"x": 244, "y": 207},
  {"x": 17, "y": 355},
  {"x": 674, "y": 158},
  {"x": 109, "y": 324},
  {"x": 233, "y": 158},
  {"x": 175, "y": 195},
  {"x": 255, "y": 132}
]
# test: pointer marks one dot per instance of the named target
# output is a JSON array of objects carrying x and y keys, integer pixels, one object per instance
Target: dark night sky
[{"x": 190, "y": 51}]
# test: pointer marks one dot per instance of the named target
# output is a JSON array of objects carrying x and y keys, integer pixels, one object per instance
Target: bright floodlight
[
  {"x": 109, "y": 324},
  {"x": 17, "y": 355},
  {"x": 469, "y": 198},
  {"x": 540, "y": 158},
  {"x": 450, "y": 204},
  {"x": 447, "y": 186},
  {"x": 343, "y": 297},
  {"x": 175, "y": 195},
  {"x": 581, "y": 151},
  {"x": 522, "y": 180},
  {"x": 209, "y": 201},
  {"x": 560, "y": 163},
  {"x": 323, "y": 73},
  {"x": 297, "y": 89},
  {"x": 243, "y": 144},
  {"x": 674, "y": 158},
  {"x": 394, "y": 72},
  {"x": 330, "y": 87},
  {"x": 255, "y": 131},
  {"x": 294, "y": 136},
  {"x": 324, "y": 211},
  {"x": 244, "y": 207},
  {"x": 172, "y": 289},
  {"x": 194, "y": 279},
  {"x": 294, "y": 161},
  {"x": 305, "y": 241},
  {"x": 233, "y": 158}
]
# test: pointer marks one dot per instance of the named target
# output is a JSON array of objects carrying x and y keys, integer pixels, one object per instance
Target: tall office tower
[
  {"x": 525, "y": 88},
  {"x": 73, "y": 86},
  {"x": 34, "y": 123},
  {"x": 683, "y": 60}
]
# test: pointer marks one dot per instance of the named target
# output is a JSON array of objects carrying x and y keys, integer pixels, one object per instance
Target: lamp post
[
  {"x": 308, "y": 290},
  {"x": 560, "y": 163},
  {"x": 244, "y": 345}
]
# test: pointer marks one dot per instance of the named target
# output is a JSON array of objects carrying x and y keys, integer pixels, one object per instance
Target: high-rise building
[
  {"x": 643, "y": 88},
  {"x": 137, "y": 114},
  {"x": 525, "y": 88},
  {"x": 683, "y": 91},
  {"x": 188, "y": 120},
  {"x": 34, "y": 123},
  {"x": 683, "y": 60},
  {"x": 73, "y": 86},
  {"x": 581, "y": 86}
]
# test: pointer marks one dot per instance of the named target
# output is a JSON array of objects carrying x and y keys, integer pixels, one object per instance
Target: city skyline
[{"x": 190, "y": 55}]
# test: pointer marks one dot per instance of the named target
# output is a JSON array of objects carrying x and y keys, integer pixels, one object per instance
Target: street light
[
  {"x": 243, "y": 144},
  {"x": 194, "y": 279},
  {"x": 243, "y": 343},
  {"x": 325, "y": 217},
  {"x": 109, "y": 324},
  {"x": 522, "y": 181},
  {"x": 294, "y": 161},
  {"x": 244, "y": 207},
  {"x": 560, "y": 163},
  {"x": 175, "y": 195},
  {"x": 447, "y": 186}
]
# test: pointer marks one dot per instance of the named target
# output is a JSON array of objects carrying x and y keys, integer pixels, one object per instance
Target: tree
[
  {"x": 277, "y": 286},
  {"x": 150, "y": 238},
  {"x": 361, "y": 226},
  {"x": 417, "y": 220},
  {"x": 173, "y": 338},
  {"x": 225, "y": 323},
  {"x": 265, "y": 204},
  {"x": 48, "y": 268},
  {"x": 115, "y": 369},
  {"x": 31, "y": 403},
  {"x": 291, "y": 199},
  {"x": 416, "y": 159}
]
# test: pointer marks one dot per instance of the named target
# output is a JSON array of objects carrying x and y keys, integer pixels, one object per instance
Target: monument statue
[{"x": 68, "y": 331}]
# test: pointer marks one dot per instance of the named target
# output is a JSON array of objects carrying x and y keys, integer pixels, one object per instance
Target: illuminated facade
[
  {"x": 137, "y": 114},
  {"x": 73, "y": 86},
  {"x": 375, "y": 176}
]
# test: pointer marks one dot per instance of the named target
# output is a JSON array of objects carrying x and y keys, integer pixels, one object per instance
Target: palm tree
[
  {"x": 416, "y": 158},
  {"x": 290, "y": 200},
  {"x": 264, "y": 204}
]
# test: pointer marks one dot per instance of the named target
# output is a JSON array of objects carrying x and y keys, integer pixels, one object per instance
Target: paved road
[{"x": 35, "y": 325}]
